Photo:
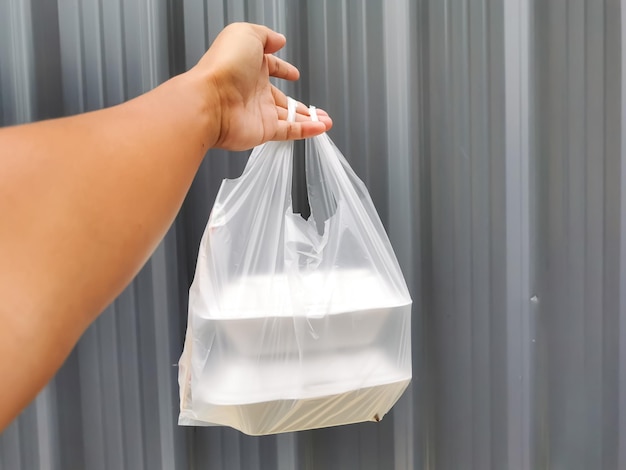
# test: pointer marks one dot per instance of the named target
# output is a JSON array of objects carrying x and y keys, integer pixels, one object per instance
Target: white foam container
[{"x": 262, "y": 367}]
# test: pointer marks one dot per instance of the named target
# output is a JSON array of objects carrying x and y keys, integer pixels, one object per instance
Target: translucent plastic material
[{"x": 294, "y": 324}]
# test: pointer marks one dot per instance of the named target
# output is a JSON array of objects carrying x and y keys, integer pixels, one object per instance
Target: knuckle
[
  {"x": 276, "y": 66},
  {"x": 233, "y": 26}
]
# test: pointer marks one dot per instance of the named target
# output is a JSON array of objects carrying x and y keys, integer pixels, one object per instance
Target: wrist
[{"x": 202, "y": 100}]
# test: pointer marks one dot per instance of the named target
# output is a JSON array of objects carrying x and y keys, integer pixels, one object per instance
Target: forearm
[
  {"x": 83, "y": 203},
  {"x": 85, "y": 200}
]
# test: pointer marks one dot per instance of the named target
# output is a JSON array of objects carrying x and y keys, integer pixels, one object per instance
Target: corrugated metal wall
[{"x": 489, "y": 133}]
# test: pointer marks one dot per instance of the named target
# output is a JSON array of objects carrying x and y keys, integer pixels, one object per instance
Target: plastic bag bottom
[{"x": 279, "y": 416}]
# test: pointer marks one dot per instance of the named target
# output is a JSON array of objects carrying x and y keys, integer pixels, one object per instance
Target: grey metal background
[{"x": 489, "y": 133}]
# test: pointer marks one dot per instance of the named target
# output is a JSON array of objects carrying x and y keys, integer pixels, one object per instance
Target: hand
[{"x": 248, "y": 109}]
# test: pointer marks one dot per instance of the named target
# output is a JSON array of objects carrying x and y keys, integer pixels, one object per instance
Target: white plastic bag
[{"x": 294, "y": 324}]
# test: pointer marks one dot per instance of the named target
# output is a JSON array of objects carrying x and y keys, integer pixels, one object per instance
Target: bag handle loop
[{"x": 291, "y": 109}]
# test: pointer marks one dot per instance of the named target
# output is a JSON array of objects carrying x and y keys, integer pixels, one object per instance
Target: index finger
[
  {"x": 280, "y": 68},
  {"x": 298, "y": 130}
]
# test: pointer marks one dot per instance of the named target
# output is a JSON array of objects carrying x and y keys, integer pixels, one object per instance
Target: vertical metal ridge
[
  {"x": 91, "y": 412},
  {"x": 112, "y": 418},
  {"x": 368, "y": 176},
  {"x": 164, "y": 357},
  {"x": 123, "y": 54},
  {"x": 11, "y": 457},
  {"x": 621, "y": 438},
  {"x": 345, "y": 54},
  {"x": 396, "y": 43},
  {"x": 21, "y": 49},
  {"x": 103, "y": 53},
  {"x": 517, "y": 93},
  {"x": 612, "y": 361},
  {"x": 81, "y": 65},
  {"x": 130, "y": 386},
  {"x": 481, "y": 308},
  {"x": 593, "y": 169},
  {"x": 46, "y": 419}
]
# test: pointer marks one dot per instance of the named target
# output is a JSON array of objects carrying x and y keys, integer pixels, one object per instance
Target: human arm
[{"x": 85, "y": 200}]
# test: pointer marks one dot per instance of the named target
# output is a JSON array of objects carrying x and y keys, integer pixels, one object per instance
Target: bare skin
[{"x": 85, "y": 200}]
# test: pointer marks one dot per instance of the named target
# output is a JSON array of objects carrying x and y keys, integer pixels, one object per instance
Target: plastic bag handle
[{"x": 291, "y": 109}]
